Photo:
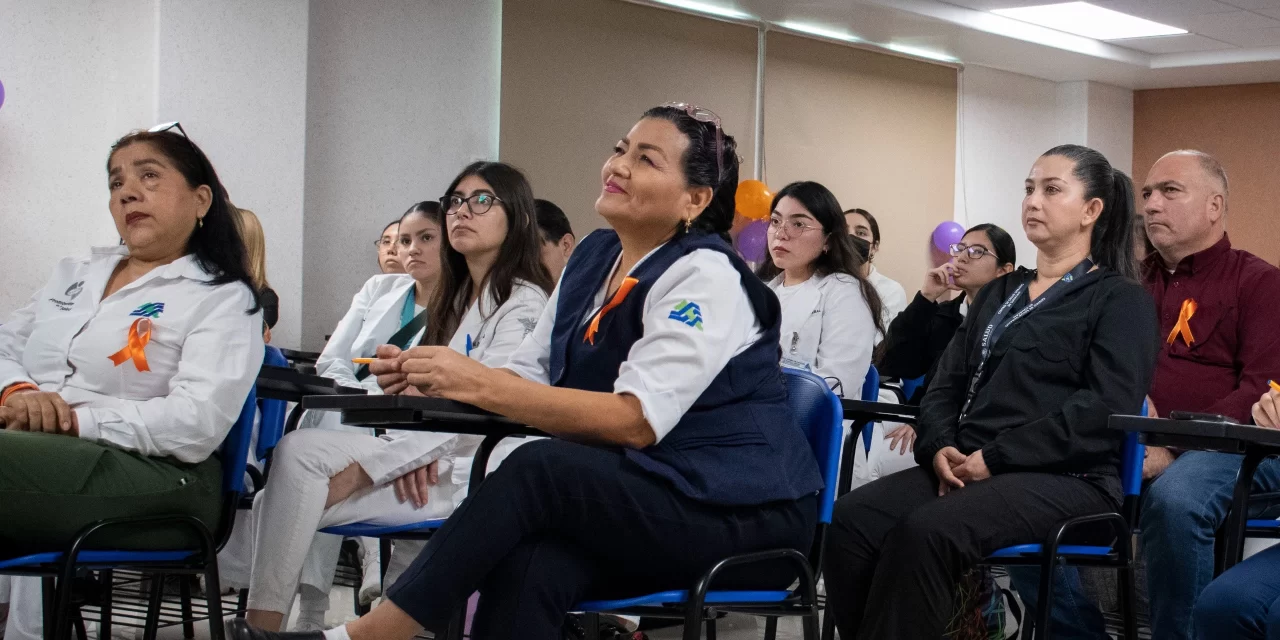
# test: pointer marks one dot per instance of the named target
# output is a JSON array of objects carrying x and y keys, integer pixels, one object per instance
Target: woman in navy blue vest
[{"x": 674, "y": 447}]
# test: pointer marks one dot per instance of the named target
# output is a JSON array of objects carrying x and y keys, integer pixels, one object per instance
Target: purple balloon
[
  {"x": 753, "y": 241},
  {"x": 947, "y": 234},
  {"x": 1, "y": 94}
]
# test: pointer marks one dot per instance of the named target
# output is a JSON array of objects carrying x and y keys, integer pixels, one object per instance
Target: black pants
[
  {"x": 560, "y": 522},
  {"x": 896, "y": 550}
]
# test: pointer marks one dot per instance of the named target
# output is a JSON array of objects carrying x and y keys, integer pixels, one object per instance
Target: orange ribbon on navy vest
[
  {"x": 618, "y": 296},
  {"x": 139, "y": 336},
  {"x": 1183, "y": 327}
]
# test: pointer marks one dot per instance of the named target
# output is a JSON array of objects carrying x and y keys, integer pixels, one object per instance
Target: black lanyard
[{"x": 998, "y": 325}]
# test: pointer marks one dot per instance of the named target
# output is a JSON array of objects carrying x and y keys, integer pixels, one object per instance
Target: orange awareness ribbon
[
  {"x": 618, "y": 296},
  {"x": 139, "y": 336},
  {"x": 1184, "y": 325}
]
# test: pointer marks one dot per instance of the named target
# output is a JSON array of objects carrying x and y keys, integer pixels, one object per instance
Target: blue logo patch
[
  {"x": 149, "y": 310},
  {"x": 689, "y": 313}
]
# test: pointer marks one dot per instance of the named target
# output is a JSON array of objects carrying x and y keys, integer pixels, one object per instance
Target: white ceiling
[{"x": 1230, "y": 41}]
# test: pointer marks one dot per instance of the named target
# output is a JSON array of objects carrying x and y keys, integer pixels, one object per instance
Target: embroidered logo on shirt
[
  {"x": 689, "y": 313},
  {"x": 149, "y": 310},
  {"x": 529, "y": 324},
  {"x": 74, "y": 290}
]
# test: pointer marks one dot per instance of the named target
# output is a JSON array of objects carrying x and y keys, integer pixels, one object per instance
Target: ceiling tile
[
  {"x": 1171, "y": 12},
  {"x": 1255, "y": 38},
  {"x": 988, "y": 5},
  {"x": 1222, "y": 26},
  {"x": 1254, "y": 4},
  {"x": 1187, "y": 43}
]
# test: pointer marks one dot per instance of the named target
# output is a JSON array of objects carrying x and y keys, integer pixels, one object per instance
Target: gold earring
[
  {"x": 199, "y": 223},
  {"x": 687, "y": 223}
]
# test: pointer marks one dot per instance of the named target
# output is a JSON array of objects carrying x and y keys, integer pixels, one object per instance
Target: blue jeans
[
  {"x": 1244, "y": 602},
  {"x": 1074, "y": 615},
  {"x": 1181, "y": 514}
]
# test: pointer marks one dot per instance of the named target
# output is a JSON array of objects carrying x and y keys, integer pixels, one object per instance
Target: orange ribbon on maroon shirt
[
  {"x": 139, "y": 336},
  {"x": 618, "y": 296},
  {"x": 1184, "y": 323}
]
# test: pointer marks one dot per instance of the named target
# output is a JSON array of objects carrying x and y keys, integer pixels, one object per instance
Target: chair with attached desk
[
  {"x": 59, "y": 568},
  {"x": 1052, "y": 553},
  {"x": 818, "y": 413}
]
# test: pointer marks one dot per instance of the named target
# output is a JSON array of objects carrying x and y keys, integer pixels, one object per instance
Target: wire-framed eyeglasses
[{"x": 708, "y": 116}]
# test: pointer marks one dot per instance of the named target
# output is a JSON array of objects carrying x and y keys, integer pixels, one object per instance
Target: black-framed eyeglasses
[
  {"x": 708, "y": 116},
  {"x": 168, "y": 126},
  {"x": 975, "y": 252},
  {"x": 478, "y": 203}
]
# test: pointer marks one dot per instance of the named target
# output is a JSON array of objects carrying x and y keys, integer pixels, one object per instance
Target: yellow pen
[
  {"x": 363, "y": 360},
  {"x": 1274, "y": 386}
]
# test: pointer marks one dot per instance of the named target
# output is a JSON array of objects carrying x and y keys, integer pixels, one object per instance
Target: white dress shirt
[
  {"x": 827, "y": 329},
  {"x": 495, "y": 333},
  {"x": 893, "y": 297},
  {"x": 669, "y": 367},
  {"x": 204, "y": 353}
]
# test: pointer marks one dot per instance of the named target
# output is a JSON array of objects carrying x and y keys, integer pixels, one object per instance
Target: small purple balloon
[
  {"x": 1, "y": 94},
  {"x": 947, "y": 234},
  {"x": 753, "y": 241}
]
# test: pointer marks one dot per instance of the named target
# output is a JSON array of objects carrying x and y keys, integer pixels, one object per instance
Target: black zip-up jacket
[
  {"x": 1051, "y": 382},
  {"x": 916, "y": 339}
]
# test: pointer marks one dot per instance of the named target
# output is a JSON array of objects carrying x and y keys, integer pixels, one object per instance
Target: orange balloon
[{"x": 752, "y": 199}]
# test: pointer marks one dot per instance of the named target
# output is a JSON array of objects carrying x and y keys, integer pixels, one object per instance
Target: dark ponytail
[
  {"x": 1111, "y": 243},
  {"x": 701, "y": 168}
]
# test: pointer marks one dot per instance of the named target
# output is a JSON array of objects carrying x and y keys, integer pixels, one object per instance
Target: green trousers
[{"x": 52, "y": 486}]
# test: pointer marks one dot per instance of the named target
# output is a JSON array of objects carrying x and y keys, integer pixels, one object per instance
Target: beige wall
[
  {"x": 878, "y": 130},
  {"x": 577, "y": 74},
  {"x": 1240, "y": 125}
]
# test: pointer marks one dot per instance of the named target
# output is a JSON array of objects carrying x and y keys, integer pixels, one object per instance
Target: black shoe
[{"x": 238, "y": 629}]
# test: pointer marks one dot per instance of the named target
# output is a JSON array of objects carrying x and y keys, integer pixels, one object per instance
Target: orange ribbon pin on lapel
[
  {"x": 1183, "y": 327},
  {"x": 139, "y": 336},
  {"x": 618, "y": 296}
]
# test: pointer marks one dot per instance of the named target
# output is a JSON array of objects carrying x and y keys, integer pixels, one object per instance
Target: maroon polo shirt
[{"x": 1236, "y": 328}]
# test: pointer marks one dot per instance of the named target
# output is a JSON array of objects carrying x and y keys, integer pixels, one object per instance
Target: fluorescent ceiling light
[
  {"x": 1084, "y": 19},
  {"x": 707, "y": 8},
  {"x": 922, "y": 53},
  {"x": 820, "y": 31}
]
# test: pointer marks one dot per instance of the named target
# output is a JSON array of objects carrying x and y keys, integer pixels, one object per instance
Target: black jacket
[
  {"x": 1052, "y": 379},
  {"x": 916, "y": 339}
]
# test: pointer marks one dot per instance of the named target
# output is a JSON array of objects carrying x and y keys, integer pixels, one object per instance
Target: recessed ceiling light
[
  {"x": 1084, "y": 19},
  {"x": 708, "y": 8},
  {"x": 818, "y": 30},
  {"x": 922, "y": 53}
]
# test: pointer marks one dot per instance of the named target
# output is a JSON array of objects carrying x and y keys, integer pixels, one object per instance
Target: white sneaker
[
  {"x": 371, "y": 586},
  {"x": 309, "y": 621}
]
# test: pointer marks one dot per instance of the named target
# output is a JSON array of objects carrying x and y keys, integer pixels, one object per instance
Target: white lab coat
[
  {"x": 827, "y": 328},
  {"x": 892, "y": 296}
]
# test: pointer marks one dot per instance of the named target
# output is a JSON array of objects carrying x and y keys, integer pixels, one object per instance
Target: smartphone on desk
[{"x": 1201, "y": 417}]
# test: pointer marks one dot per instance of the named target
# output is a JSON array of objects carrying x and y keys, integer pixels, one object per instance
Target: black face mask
[{"x": 862, "y": 246}]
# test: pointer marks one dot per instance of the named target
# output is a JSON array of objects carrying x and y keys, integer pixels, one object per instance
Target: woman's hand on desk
[
  {"x": 387, "y": 369},
  {"x": 445, "y": 373},
  {"x": 413, "y": 486},
  {"x": 40, "y": 411}
]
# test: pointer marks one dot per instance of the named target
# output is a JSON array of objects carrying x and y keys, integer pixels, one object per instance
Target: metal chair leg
[
  {"x": 1045, "y": 606},
  {"x": 184, "y": 599},
  {"x": 711, "y": 626},
  {"x": 828, "y": 623},
  {"x": 49, "y": 594},
  {"x": 809, "y": 626},
  {"x": 242, "y": 603},
  {"x": 108, "y": 590},
  {"x": 771, "y": 629},
  {"x": 154, "y": 601},
  {"x": 693, "y": 621},
  {"x": 591, "y": 625},
  {"x": 78, "y": 623},
  {"x": 1128, "y": 596},
  {"x": 213, "y": 598}
]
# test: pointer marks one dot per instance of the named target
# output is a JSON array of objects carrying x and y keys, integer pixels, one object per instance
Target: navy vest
[{"x": 738, "y": 444}]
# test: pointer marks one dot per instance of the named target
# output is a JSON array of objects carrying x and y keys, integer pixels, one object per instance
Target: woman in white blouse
[
  {"x": 830, "y": 312},
  {"x": 389, "y": 309},
  {"x": 123, "y": 375},
  {"x": 655, "y": 365},
  {"x": 492, "y": 288},
  {"x": 893, "y": 296}
]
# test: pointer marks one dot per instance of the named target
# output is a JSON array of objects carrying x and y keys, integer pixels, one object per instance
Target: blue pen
[{"x": 468, "y": 345}]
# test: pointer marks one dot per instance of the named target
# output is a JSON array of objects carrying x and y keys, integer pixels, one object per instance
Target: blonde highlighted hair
[{"x": 255, "y": 246}]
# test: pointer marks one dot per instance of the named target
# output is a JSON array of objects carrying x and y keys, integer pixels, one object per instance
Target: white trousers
[
  {"x": 25, "y": 597},
  {"x": 291, "y": 509}
]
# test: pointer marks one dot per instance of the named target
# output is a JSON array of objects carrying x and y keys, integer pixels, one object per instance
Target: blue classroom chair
[
  {"x": 59, "y": 568},
  {"x": 818, "y": 413}
]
